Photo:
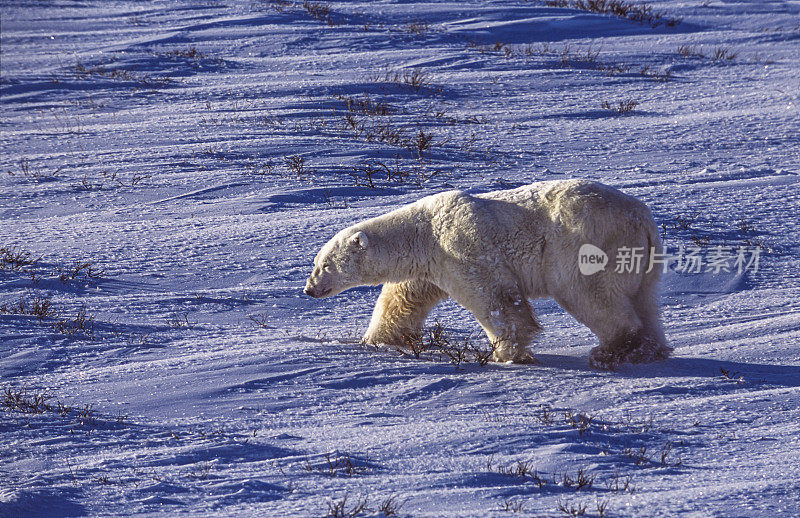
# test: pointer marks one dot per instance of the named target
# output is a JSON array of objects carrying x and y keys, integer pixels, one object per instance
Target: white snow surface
[{"x": 155, "y": 141}]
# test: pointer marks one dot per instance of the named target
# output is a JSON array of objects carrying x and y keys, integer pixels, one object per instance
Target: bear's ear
[{"x": 359, "y": 239}]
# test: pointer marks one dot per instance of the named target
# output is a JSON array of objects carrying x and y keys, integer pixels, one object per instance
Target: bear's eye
[{"x": 326, "y": 267}]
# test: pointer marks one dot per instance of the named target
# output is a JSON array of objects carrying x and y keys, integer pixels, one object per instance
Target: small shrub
[
  {"x": 571, "y": 509},
  {"x": 19, "y": 400},
  {"x": 544, "y": 414},
  {"x": 727, "y": 375},
  {"x": 179, "y": 321},
  {"x": 366, "y": 106},
  {"x": 417, "y": 28},
  {"x": 264, "y": 169},
  {"x": 85, "y": 269},
  {"x": 614, "y": 69},
  {"x": 389, "y": 134},
  {"x": 190, "y": 53},
  {"x": 82, "y": 71},
  {"x": 421, "y": 143},
  {"x": 637, "y": 426},
  {"x": 26, "y": 171},
  {"x": 201, "y": 471},
  {"x": 81, "y": 324},
  {"x": 296, "y": 164},
  {"x": 665, "y": 451},
  {"x": 390, "y": 507},
  {"x": 317, "y": 10},
  {"x": 583, "y": 480},
  {"x": 445, "y": 346},
  {"x": 745, "y": 227},
  {"x": 338, "y": 463},
  {"x": 320, "y": 11},
  {"x": 40, "y": 306},
  {"x": 656, "y": 75},
  {"x": 685, "y": 222},
  {"x": 414, "y": 78},
  {"x": 578, "y": 420},
  {"x": 340, "y": 508},
  {"x": 260, "y": 320},
  {"x": 689, "y": 51},
  {"x": 522, "y": 469},
  {"x": 720, "y": 54},
  {"x": 619, "y": 483},
  {"x": 637, "y": 12},
  {"x": 415, "y": 344},
  {"x": 625, "y": 106},
  {"x": 373, "y": 170},
  {"x": 638, "y": 455},
  {"x": 16, "y": 259},
  {"x": 723, "y": 54},
  {"x": 279, "y": 5},
  {"x": 85, "y": 416},
  {"x": 601, "y": 508},
  {"x": 513, "y": 506},
  {"x": 136, "y": 178}
]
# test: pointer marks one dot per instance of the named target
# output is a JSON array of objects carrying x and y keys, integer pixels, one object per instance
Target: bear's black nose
[{"x": 308, "y": 291}]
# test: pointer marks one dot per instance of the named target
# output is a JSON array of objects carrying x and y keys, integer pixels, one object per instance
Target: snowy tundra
[
  {"x": 493, "y": 252},
  {"x": 169, "y": 169}
]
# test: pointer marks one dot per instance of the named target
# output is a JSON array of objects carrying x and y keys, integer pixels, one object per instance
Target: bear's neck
[{"x": 402, "y": 246}]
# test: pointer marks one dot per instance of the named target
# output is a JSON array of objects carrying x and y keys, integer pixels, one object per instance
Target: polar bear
[{"x": 493, "y": 253}]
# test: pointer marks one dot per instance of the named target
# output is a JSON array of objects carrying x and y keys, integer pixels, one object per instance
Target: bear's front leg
[
  {"x": 401, "y": 311},
  {"x": 507, "y": 318}
]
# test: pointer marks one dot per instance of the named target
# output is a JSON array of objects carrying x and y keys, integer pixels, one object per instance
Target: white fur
[{"x": 495, "y": 251}]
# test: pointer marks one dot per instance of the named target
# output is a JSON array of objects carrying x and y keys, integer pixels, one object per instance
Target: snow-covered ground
[{"x": 197, "y": 154}]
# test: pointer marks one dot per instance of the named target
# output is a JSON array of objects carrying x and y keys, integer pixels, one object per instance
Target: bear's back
[{"x": 572, "y": 199}]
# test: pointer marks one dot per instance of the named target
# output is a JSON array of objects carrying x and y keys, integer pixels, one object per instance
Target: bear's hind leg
[
  {"x": 401, "y": 311},
  {"x": 624, "y": 337},
  {"x": 515, "y": 331},
  {"x": 615, "y": 322},
  {"x": 634, "y": 346},
  {"x": 654, "y": 342}
]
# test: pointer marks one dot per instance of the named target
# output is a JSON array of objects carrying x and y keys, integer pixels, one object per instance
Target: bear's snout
[{"x": 315, "y": 291}]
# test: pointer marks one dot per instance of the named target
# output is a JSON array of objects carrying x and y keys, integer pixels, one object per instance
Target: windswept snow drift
[{"x": 197, "y": 155}]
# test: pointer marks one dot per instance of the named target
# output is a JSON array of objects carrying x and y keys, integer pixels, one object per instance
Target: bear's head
[{"x": 340, "y": 265}]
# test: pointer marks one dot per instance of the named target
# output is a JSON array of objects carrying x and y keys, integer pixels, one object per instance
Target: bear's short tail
[{"x": 646, "y": 298}]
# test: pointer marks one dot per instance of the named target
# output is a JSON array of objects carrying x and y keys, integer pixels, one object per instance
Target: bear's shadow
[{"x": 685, "y": 367}]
